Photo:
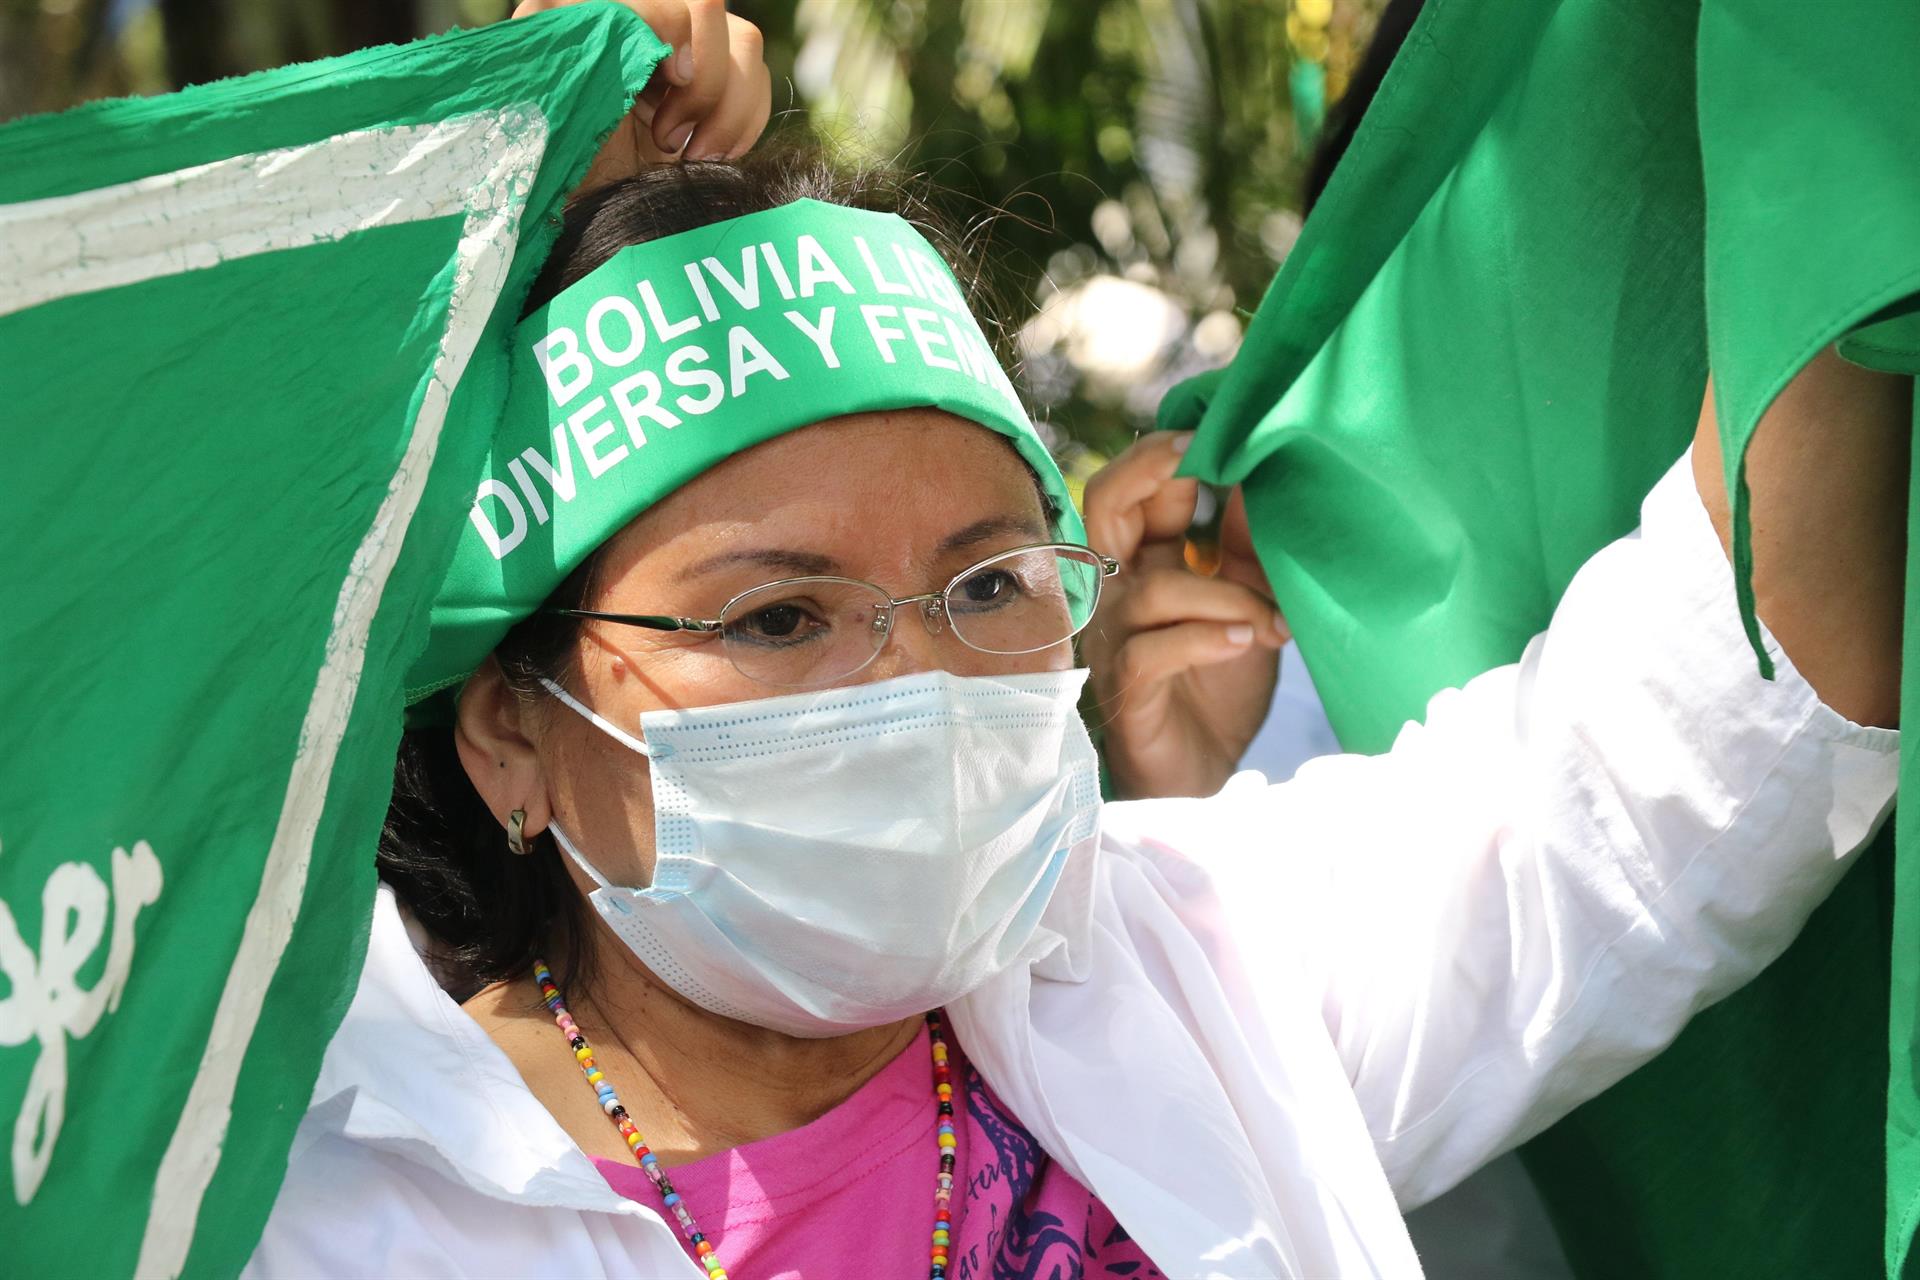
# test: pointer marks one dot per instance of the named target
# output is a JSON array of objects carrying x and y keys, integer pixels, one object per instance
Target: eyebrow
[
  {"x": 800, "y": 562},
  {"x": 805, "y": 562},
  {"x": 992, "y": 527}
]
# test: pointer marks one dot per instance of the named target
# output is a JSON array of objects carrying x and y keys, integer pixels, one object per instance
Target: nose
[{"x": 913, "y": 646}]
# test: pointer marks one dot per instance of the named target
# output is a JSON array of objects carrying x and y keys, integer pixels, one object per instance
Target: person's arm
[
  {"x": 1536, "y": 888},
  {"x": 1827, "y": 477},
  {"x": 1183, "y": 666}
]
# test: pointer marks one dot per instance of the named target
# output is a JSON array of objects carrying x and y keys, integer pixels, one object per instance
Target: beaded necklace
[{"x": 650, "y": 1163}]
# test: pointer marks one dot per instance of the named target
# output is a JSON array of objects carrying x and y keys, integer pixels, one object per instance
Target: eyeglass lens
[{"x": 807, "y": 632}]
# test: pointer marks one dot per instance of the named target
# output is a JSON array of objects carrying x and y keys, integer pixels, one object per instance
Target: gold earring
[{"x": 516, "y": 837}]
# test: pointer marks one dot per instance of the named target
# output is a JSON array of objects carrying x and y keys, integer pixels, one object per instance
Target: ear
[{"x": 499, "y": 749}]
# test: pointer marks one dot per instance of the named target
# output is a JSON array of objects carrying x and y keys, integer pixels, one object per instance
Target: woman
[{"x": 766, "y": 816}]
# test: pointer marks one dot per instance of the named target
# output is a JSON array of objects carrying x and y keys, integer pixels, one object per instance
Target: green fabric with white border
[
  {"x": 678, "y": 353},
  {"x": 1490, "y": 339},
  {"x": 253, "y": 342}
]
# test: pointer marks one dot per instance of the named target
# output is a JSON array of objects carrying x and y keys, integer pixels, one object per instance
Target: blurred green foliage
[
  {"x": 1143, "y": 151},
  {"x": 1132, "y": 165}
]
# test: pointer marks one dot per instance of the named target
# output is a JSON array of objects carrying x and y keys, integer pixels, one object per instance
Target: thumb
[{"x": 1136, "y": 498}]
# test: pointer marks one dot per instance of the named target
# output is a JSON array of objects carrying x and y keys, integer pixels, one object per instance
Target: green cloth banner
[
  {"x": 1491, "y": 338},
  {"x": 678, "y": 353},
  {"x": 253, "y": 344}
]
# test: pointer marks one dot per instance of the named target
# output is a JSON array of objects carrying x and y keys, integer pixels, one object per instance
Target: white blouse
[{"x": 1274, "y": 1018}]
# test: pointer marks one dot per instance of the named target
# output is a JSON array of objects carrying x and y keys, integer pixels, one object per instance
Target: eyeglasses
[{"x": 802, "y": 633}]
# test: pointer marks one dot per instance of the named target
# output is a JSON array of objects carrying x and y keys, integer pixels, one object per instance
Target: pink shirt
[{"x": 852, "y": 1193}]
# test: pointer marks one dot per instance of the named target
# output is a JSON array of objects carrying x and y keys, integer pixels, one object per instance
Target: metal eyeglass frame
[{"x": 933, "y": 604}]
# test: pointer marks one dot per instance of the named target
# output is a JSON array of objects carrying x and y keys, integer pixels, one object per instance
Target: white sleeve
[{"x": 1531, "y": 893}]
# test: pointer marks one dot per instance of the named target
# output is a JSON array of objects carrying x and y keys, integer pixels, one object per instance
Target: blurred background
[{"x": 1150, "y": 154}]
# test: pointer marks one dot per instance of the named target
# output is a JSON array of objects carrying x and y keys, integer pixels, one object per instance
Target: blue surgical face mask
[{"x": 842, "y": 859}]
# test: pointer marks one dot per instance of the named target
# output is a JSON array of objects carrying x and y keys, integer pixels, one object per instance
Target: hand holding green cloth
[
  {"x": 1490, "y": 339},
  {"x": 253, "y": 346}
]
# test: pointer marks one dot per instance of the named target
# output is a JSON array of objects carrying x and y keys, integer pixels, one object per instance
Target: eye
[
  {"x": 784, "y": 622},
  {"x": 775, "y": 621},
  {"x": 988, "y": 587}
]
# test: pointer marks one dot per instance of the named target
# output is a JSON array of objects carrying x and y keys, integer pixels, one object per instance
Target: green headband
[{"x": 679, "y": 353}]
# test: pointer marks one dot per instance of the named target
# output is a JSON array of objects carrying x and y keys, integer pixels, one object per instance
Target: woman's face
[{"x": 903, "y": 499}]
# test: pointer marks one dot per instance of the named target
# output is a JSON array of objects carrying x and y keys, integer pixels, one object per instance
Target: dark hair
[
  {"x": 1343, "y": 120},
  {"x": 489, "y": 912}
]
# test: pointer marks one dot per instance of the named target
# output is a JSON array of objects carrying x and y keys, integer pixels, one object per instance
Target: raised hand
[
  {"x": 708, "y": 101},
  {"x": 1183, "y": 666}
]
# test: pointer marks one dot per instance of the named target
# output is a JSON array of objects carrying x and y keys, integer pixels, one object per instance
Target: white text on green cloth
[
  {"x": 45, "y": 1004},
  {"x": 693, "y": 380}
]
